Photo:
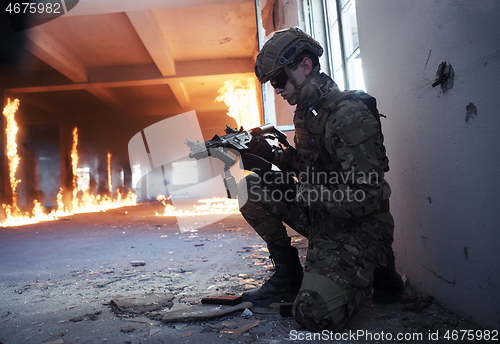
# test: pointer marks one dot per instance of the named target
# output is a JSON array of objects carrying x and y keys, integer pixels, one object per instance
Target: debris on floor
[
  {"x": 203, "y": 312},
  {"x": 63, "y": 292},
  {"x": 140, "y": 304}
]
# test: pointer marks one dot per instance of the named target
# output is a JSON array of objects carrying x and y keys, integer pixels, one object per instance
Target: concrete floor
[{"x": 58, "y": 278}]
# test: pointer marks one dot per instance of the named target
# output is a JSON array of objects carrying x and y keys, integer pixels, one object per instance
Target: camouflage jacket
[{"x": 339, "y": 153}]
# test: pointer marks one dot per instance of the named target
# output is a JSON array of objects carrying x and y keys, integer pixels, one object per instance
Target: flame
[
  {"x": 13, "y": 158},
  {"x": 85, "y": 202},
  {"x": 74, "y": 167},
  {"x": 82, "y": 202},
  {"x": 110, "y": 184},
  {"x": 241, "y": 99},
  {"x": 208, "y": 206}
]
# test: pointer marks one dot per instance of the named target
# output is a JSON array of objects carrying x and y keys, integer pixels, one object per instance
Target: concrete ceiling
[{"x": 148, "y": 57}]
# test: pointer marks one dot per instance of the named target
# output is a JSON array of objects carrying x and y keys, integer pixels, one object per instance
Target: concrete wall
[{"x": 445, "y": 159}]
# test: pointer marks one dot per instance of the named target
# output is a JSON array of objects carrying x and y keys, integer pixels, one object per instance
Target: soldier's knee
[
  {"x": 312, "y": 311},
  {"x": 249, "y": 189},
  {"x": 252, "y": 179}
]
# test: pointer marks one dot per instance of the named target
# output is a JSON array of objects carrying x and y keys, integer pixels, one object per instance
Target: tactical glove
[{"x": 260, "y": 147}]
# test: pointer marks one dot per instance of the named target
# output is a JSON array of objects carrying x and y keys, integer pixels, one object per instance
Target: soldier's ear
[{"x": 306, "y": 65}]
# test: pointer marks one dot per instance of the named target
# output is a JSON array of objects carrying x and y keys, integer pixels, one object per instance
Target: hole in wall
[
  {"x": 471, "y": 112},
  {"x": 445, "y": 76}
]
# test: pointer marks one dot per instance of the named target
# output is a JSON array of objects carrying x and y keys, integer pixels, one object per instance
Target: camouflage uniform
[{"x": 348, "y": 237}]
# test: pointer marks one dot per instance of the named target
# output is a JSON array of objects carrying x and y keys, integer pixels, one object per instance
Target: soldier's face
[
  {"x": 300, "y": 73},
  {"x": 287, "y": 92}
]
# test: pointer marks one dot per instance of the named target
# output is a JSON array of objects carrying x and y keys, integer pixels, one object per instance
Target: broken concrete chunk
[
  {"x": 246, "y": 313},
  {"x": 140, "y": 304},
  {"x": 127, "y": 329},
  {"x": 137, "y": 263},
  {"x": 91, "y": 316},
  {"x": 203, "y": 312}
]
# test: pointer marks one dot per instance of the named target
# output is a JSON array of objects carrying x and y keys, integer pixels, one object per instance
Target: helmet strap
[{"x": 298, "y": 88}]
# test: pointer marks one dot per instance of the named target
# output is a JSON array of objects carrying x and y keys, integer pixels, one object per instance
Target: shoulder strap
[
  {"x": 367, "y": 99},
  {"x": 328, "y": 105}
]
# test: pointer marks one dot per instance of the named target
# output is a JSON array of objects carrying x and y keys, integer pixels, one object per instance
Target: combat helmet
[{"x": 280, "y": 51}]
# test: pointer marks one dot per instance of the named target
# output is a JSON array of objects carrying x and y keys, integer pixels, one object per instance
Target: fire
[
  {"x": 74, "y": 167},
  {"x": 85, "y": 202},
  {"x": 110, "y": 184},
  {"x": 13, "y": 158},
  {"x": 241, "y": 99},
  {"x": 208, "y": 206},
  {"x": 82, "y": 202}
]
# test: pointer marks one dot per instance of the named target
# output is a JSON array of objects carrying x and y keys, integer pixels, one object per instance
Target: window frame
[{"x": 326, "y": 21}]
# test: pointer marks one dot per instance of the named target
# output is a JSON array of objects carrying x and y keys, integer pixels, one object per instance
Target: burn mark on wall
[
  {"x": 471, "y": 112},
  {"x": 445, "y": 76}
]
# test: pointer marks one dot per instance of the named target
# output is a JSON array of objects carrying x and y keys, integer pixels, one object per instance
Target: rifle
[
  {"x": 238, "y": 140},
  {"x": 234, "y": 139}
]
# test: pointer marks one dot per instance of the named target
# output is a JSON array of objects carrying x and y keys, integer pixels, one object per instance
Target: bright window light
[{"x": 83, "y": 174}]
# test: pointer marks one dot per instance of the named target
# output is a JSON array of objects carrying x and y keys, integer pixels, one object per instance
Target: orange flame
[
  {"x": 110, "y": 184},
  {"x": 85, "y": 202},
  {"x": 13, "y": 158},
  {"x": 241, "y": 99},
  {"x": 81, "y": 202},
  {"x": 208, "y": 206},
  {"x": 74, "y": 167}
]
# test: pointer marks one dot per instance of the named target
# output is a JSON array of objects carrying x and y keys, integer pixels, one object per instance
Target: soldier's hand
[{"x": 260, "y": 147}]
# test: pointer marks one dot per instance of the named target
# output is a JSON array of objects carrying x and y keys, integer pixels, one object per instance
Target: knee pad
[
  {"x": 311, "y": 311},
  {"x": 321, "y": 304}
]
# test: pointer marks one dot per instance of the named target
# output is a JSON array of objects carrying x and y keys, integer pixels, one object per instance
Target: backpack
[{"x": 368, "y": 100}]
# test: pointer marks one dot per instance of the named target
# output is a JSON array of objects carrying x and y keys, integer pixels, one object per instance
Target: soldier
[{"x": 330, "y": 188}]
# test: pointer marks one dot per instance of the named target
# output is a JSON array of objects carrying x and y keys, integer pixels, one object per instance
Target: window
[
  {"x": 340, "y": 30},
  {"x": 333, "y": 24},
  {"x": 83, "y": 178},
  {"x": 136, "y": 176}
]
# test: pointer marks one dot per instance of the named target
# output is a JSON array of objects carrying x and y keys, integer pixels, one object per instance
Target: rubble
[
  {"x": 127, "y": 329},
  {"x": 241, "y": 326},
  {"x": 90, "y": 298},
  {"x": 202, "y": 312},
  {"x": 140, "y": 304},
  {"x": 137, "y": 263}
]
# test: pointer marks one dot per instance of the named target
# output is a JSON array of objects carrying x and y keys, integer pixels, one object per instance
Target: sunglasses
[{"x": 279, "y": 81}]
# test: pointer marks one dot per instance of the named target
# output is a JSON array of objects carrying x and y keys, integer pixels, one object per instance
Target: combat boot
[
  {"x": 388, "y": 287},
  {"x": 284, "y": 285}
]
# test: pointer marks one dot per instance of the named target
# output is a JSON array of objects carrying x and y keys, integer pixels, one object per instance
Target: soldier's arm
[{"x": 285, "y": 158}]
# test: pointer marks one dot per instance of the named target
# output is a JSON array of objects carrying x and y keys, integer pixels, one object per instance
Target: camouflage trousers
[{"x": 341, "y": 257}]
